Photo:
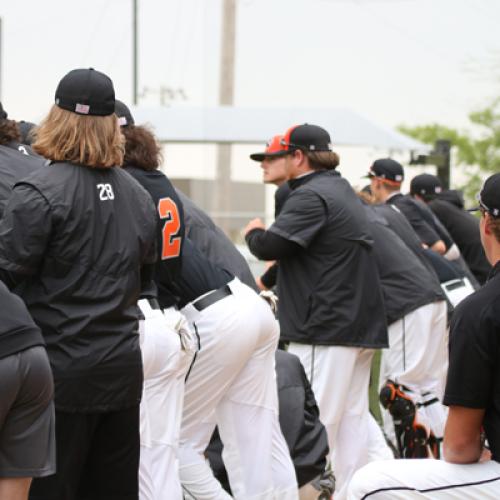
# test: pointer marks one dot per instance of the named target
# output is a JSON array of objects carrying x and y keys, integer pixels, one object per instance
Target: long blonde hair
[{"x": 93, "y": 141}]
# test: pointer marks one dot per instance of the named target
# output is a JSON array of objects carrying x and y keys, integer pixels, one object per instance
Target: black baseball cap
[
  {"x": 124, "y": 115},
  {"x": 387, "y": 169},
  {"x": 425, "y": 185},
  {"x": 86, "y": 92},
  {"x": 3, "y": 113},
  {"x": 489, "y": 196},
  {"x": 306, "y": 137}
]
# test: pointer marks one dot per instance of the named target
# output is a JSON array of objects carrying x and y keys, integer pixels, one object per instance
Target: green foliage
[{"x": 476, "y": 152}]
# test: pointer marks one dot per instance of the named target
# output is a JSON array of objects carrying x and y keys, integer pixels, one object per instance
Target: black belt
[{"x": 212, "y": 298}]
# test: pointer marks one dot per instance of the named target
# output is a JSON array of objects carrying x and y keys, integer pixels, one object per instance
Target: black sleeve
[
  {"x": 425, "y": 232},
  {"x": 266, "y": 245},
  {"x": 269, "y": 278},
  {"x": 24, "y": 230},
  {"x": 9, "y": 279},
  {"x": 473, "y": 347}
]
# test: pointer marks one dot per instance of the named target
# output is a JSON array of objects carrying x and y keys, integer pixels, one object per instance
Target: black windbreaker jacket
[
  {"x": 77, "y": 240},
  {"x": 14, "y": 165}
]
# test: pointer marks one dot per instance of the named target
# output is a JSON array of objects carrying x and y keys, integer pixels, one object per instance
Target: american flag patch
[{"x": 82, "y": 108}]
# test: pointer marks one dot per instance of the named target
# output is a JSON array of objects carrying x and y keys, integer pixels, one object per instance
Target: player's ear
[
  {"x": 299, "y": 156},
  {"x": 487, "y": 223}
]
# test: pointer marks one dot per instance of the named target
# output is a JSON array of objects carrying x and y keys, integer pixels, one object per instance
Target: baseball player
[
  {"x": 471, "y": 466},
  {"x": 331, "y": 308},
  {"x": 231, "y": 381},
  {"x": 77, "y": 244},
  {"x": 231, "y": 384},
  {"x": 448, "y": 206},
  {"x": 166, "y": 343},
  {"x": 386, "y": 176},
  {"x": 416, "y": 360},
  {"x": 300, "y": 424}
]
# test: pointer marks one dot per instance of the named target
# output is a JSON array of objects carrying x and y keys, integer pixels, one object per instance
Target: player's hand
[
  {"x": 260, "y": 284},
  {"x": 253, "y": 224}
]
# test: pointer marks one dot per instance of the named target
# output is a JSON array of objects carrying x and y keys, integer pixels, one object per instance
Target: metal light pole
[
  {"x": 135, "y": 75},
  {"x": 226, "y": 97}
]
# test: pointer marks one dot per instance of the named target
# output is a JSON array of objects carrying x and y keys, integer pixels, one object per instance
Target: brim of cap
[
  {"x": 263, "y": 156},
  {"x": 369, "y": 175},
  {"x": 474, "y": 209}
]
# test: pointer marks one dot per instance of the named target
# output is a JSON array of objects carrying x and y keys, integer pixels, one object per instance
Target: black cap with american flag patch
[{"x": 86, "y": 92}]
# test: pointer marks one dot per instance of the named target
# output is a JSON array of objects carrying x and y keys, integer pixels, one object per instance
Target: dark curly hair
[
  {"x": 9, "y": 131},
  {"x": 141, "y": 148}
]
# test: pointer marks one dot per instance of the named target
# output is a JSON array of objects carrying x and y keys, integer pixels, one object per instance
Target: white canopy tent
[{"x": 227, "y": 124}]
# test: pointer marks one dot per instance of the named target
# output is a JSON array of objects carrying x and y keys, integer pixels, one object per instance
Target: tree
[{"x": 476, "y": 151}]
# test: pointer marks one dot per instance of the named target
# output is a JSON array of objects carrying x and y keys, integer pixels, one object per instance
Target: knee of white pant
[
  {"x": 361, "y": 483},
  {"x": 199, "y": 483},
  {"x": 369, "y": 478}
]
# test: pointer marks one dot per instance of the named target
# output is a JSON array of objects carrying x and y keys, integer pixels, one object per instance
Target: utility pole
[
  {"x": 222, "y": 190},
  {"x": 135, "y": 53},
  {"x": 440, "y": 157}
]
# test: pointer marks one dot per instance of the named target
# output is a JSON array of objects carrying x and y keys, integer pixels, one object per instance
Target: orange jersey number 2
[{"x": 171, "y": 245}]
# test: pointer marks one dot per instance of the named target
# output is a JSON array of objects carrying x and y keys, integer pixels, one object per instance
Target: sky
[{"x": 394, "y": 61}]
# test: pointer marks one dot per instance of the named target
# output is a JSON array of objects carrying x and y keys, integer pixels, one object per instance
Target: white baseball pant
[
  {"x": 418, "y": 359},
  {"x": 339, "y": 377},
  {"x": 430, "y": 479},
  {"x": 165, "y": 362},
  {"x": 232, "y": 384}
]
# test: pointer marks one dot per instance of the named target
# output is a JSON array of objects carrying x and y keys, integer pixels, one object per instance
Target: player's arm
[
  {"x": 269, "y": 278},
  {"x": 25, "y": 229},
  {"x": 301, "y": 218},
  {"x": 266, "y": 245},
  {"x": 462, "y": 435}
]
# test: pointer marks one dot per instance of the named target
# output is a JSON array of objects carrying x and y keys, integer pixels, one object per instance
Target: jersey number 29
[{"x": 171, "y": 244}]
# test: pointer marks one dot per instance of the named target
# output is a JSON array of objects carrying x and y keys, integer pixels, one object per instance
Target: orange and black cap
[
  {"x": 307, "y": 138},
  {"x": 387, "y": 169},
  {"x": 274, "y": 148}
]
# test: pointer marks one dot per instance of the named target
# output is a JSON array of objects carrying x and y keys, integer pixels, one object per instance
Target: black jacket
[
  {"x": 421, "y": 218},
  {"x": 78, "y": 240},
  {"x": 14, "y": 165},
  {"x": 329, "y": 287},
  {"x": 170, "y": 230},
  {"x": 213, "y": 243},
  {"x": 407, "y": 283},
  {"x": 464, "y": 229}
]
